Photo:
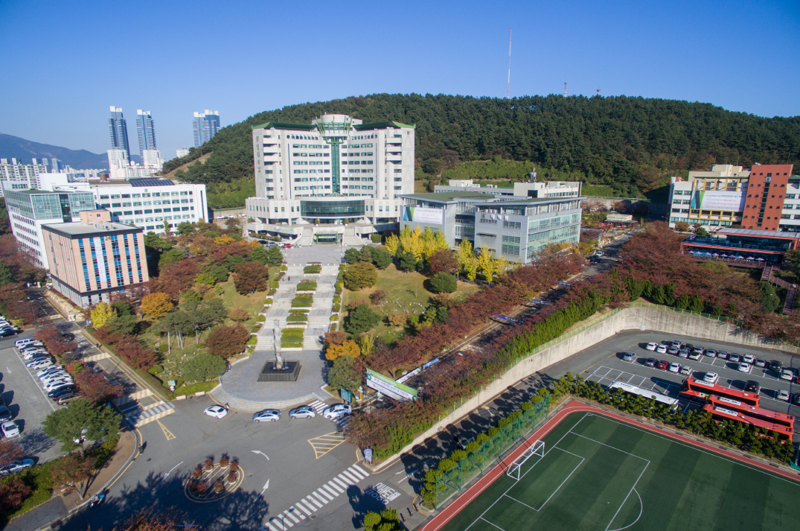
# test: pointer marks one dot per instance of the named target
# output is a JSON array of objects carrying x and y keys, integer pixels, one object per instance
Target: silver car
[
  {"x": 267, "y": 415},
  {"x": 302, "y": 412}
]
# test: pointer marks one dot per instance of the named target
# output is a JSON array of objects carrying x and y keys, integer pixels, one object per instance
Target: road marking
[
  {"x": 332, "y": 492},
  {"x": 168, "y": 434},
  {"x": 260, "y": 452},
  {"x": 352, "y": 477},
  {"x": 356, "y": 467},
  {"x": 313, "y": 502},
  {"x": 324, "y": 497},
  {"x": 339, "y": 482},
  {"x": 35, "y": 383},
  {"x": 166, "y": 475},
  {"x": 325, "y": 443},
  {"x": 302, "y": 507}
]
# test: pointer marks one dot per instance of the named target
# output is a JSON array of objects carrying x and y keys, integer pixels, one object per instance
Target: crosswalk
[
  {"x": 319, "y": 406},
  {"x": 315, "y": 501}
]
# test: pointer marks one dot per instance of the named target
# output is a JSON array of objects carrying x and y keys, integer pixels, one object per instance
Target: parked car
[
  {"x": 19, "y": 343},
  {"x": 711, "y": 377},
  {"x": 661, "y": 349},
  {"x": 761, "y": 362},
  {"x": 58, "y": 392},
  {"x": 5, "y": 413},
  {"x": 68, "y": 336},
  {"x": 695, "y": 355},
  {"x": 734, "y": 357},
  {"x": 50, "y": 386},
  {"x": 66, "y": 398},
  {"x": 776, "y": 366},
  {"x": 683, "y": 353},
  {"x": 16, "y": 466},
  {"x": 628, "y": 356},
  {"x": 663, "y": 364},
  {"x": 711, "y": 353},
  {"x": 783, "y": 394},
  {"x": 673, "y": 350},
  {"x": 745, "y": 367},
  {"x": 10, "y": 429},
  {"x": 267, "y": 415},
  {"x": 651, "y": 346},
  {"x": 752, "y": 386},
  {"x": 302, "y": 412},
  {"x": 216, "y": 411},
  {"x": 722, "y": 354},
  {"x": 787, "y": 374},
  {"x": 650, "y": 362},
  {"x": 686, "y": 370},
  {"x": 749, "y": 358},
  {"x": 287, "y": 245},
  {"x": 675, "y": 367},
  {"x": 796, "y": 399},
  {"x": 337, "y": 410}
]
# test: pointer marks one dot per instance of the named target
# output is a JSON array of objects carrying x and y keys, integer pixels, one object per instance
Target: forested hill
[{"x": 628, "y": 143}]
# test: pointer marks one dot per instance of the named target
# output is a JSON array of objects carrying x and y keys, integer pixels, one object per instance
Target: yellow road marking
[
  {"x": 325, "y": 443},
  {"x": 168, "y": 434}
]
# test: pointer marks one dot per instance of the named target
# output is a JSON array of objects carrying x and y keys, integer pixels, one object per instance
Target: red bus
[
  {"x": 722, "y": 413},
  {"x": 700, "y": 391},
  {"x": 773, "y": 417}
]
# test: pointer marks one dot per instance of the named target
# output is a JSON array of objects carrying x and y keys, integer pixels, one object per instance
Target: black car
[
  {"x": 776, "y": 366},
  {"x": 58, "y": 391},
  {"x": 752, "y": 386},
  {"x": 68, "y": 336},
  {"x": 796, "y": 399},
  {"x": 5, "y": 414}
]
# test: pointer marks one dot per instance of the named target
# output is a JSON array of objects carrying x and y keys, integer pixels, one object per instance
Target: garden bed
[
  {"x": 303, "y": 301},
  {"x": 307, "y": 285},
  {"x": 312, "y": 269}
]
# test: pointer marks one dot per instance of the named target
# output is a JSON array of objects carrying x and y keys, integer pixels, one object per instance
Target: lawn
[
  {"x": 404, "y": 291},
  {"x": 251, "y": 303},
  {"x": 599, "y": 474}
]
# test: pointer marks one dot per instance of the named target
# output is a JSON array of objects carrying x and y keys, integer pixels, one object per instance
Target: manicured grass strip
[
  {"x": 312, "y": 269},
  {"x": 308, "y": 285},
  {"x": 297, "y": 319},
  {"x": 303, "y": 301}
]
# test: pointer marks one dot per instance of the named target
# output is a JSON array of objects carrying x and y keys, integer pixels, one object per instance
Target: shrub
[
  {"x": 274, "y": 284},
  {"x": 284, "y": 268},
  {"x": 308, "y": 285},
  {"x": 155, "y": 369},
  {"x": 443, "y": 283},
  {"x": 334, "y": 327},
  {"x": 376, "y": 238},
  {"x": 231, "y": 476},
  {"x": 297, "y": 319},
  {"x": 303, "y": 301},
  {"x": 268, "y": 301},
  {"x": 208, "y": 464},
  {"x": 377, "y": 296},
  {"x": 255, "y": 328},
  {"x": 334, "y": 317},
  {"x": 219, "y": 486},
  {"x": 360, "y": 275},
  {"x": 197, "y": 472},
  {"x": 337, "y": 300},
  {"x": 355, "y": 303},
  {"x": 224, "y": 460},
  {"x": 261, "y": 318},
  {"x": 234, "y": 466}
]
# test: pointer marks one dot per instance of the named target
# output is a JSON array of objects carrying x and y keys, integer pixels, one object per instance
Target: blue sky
[{"x": 65, "y": 63}]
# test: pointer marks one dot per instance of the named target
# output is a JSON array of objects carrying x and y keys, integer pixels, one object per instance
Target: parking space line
[{"x": 36, "y": 384}]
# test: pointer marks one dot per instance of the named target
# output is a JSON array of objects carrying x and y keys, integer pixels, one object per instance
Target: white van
[{"x": 19, "y": 343}]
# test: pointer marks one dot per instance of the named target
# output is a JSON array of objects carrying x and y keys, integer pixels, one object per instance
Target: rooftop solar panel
[{"x": 140, "y": 183}]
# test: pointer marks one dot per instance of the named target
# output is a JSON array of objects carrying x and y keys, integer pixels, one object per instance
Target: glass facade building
[
  {"x": 146, "y": 130},
  {"x": 206, "y": 125},
  {"x": 118, "y": 128}
]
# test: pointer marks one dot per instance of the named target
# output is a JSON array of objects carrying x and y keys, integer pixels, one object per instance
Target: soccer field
[{"x": 599, "y": 474}]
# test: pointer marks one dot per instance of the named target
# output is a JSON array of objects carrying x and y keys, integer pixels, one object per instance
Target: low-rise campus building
[
  {"x": 742, "y": 246},
  {"x": 95, "y": 257}
]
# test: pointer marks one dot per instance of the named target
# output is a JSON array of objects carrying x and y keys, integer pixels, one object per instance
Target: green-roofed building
[{"x": 333, "y": 171}]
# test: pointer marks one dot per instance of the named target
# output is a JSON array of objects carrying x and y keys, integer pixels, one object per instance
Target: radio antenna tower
[
  {"x": 598, "y": 90},
  {"x": 508, "y": 89},
  {"x": 565, "y": 87}
]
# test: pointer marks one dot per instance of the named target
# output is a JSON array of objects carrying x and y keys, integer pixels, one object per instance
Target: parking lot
[
  {"x": 613, "y": 368},
  {"x": 28, "y": 403}
]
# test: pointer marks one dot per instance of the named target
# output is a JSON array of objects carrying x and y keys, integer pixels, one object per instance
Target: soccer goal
[{"x": 515, "y": 469}]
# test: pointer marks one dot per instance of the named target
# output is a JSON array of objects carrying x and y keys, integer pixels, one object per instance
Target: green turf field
[{"x": 598, "y": 474}]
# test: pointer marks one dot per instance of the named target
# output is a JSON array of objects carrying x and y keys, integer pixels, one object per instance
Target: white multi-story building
[
  {"x": 120, "y": 167},
  {"x": 335, "y": 170},
  {"x": 534, "y": 189},
  {"x": 148, "y": 203},
  {"x": 182, "y": 152},
  {"x": 713, "y": 198},
  {"x": 15, "y": 170}
]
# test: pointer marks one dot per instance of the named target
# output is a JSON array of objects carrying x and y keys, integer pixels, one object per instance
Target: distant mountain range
[{"x": 25, "y": 150}]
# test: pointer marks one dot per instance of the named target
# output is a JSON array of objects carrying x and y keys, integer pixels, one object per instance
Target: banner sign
[
  {"x": 733, "y": 201},
  {"x": 407, "y": 376},
  {"x": 346, "y": 395},
  {"x": 429, "y": 216},
  {"x": 431, "y": 363},
  {"x": 389, "y": 387}
]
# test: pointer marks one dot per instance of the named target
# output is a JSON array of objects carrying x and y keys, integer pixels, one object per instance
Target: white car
[
  {"x": 302, "y": 412},
  {"x": 19, "y": 343},
  {"x": 49, "y": 386},
  {"x": 57, "y": 377},
  {"x": 216, "y": 411},
  {"x": 16, "y": 466},
  {"x": 787, "y": 374},
  {"x": 10, "y": 429},
  {"x": 783, "y": 394},
  {"x": 686, "y": 370},
  {"x": 651, "y": 346},
  {"x": 40, "y": 364},
  {"x": 267, "y": 415},
  {"x": 45, "y": 372},
  {"x": 711, "y": 377},
  {"x": 711, "y": 353},
  {"x": 744, "y": 367},
  {"x": 337, "y": 410},
  {"x": 675, "y": 367},
  {"x": 661, "y": 349},
  {"x": 749, "y": 358},
  {"x": 38, "y": 353}
]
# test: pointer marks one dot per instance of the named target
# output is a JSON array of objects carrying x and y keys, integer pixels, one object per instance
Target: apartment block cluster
[
  {"x": 338, "y": 178},
  {"x": 764, "y": 198},
  {"x": 120, "y": 164},
  {"x": 15, "y": 170}
]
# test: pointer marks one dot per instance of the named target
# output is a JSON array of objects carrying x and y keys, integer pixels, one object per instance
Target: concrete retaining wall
[{"x": 634, "y": 318}]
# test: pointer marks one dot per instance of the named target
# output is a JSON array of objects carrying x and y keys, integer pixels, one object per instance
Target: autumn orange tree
[
  {"x": 347, "y": 348},
  {"x": 250, "y": 277},
  {"x": 71, "y": 472},
  {"x": 226, "y": 341},
  {"x": 156, "y": 305}
]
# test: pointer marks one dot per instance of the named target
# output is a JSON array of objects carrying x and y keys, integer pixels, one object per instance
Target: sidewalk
[
  {"x": 123, "y": 453},
  {"x": 59, "y": 507}
]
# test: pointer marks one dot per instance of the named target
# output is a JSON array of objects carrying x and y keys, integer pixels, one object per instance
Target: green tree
[
  {"x": 344, "y": 375},
  {"x": 407, "y": 262},
  {"x": 360, "y": 275},
  {"x": 232, "y": 261},
  {"x": 361, "y": 319},
  {"x": 365, "y": 255},
  {"x": 701, "y": 232},
  {"x": 351, "y": 255},
  {"x": 381, "y": 258},
  {"x": 155, "y": 242},
  {"x": 443, "y": 283},
  {"x": 80, "y": 421},
  {"x": 219, "y": 272},
  {"x": 769, "y": 299},
  {"x": 260, "y": 255},
  {"x": 6, "y": 274},
  {"x": 185, "y": 228},
  {"x": 275, "y": 256},
  {"x": 170, "y": 257},
  {"x": 202, "y": 367}
]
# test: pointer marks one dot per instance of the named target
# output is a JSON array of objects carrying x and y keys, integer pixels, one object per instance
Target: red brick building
[{"x": 765, "y": 194}]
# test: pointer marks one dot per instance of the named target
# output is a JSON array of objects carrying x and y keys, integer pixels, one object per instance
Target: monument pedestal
[{"x": 289, "y": 373}]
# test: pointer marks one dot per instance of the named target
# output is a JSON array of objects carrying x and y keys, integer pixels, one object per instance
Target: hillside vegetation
[{"x": 630, "y": 144}]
